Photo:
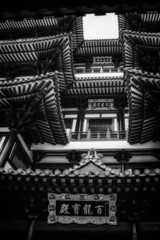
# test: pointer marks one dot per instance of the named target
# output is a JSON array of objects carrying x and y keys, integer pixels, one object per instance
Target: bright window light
[{"x": 100, "y": 27}]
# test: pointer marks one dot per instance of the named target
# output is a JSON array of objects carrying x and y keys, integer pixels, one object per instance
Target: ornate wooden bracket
[
  {"x": 38, "y": 155},
  {"x": 73, "y": 156},
  {"x": 122, "y": 156}
]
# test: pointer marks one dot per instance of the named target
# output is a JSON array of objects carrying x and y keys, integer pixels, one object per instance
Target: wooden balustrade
[{"x": 97, "y": 135}]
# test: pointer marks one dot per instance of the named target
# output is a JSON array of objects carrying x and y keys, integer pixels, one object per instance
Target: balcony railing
[{"x": 98, "y": 136}]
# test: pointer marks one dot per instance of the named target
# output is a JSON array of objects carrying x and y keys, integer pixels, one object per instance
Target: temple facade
[{"x": 79, "y": 128}]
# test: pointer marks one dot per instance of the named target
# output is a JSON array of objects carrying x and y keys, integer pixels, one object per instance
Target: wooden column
[
  {"x": 134, "y": 231},
  {"x": 80, "y": 119},
  {"x": 120, "y": 103},
  {"x": 30, "y": 229},
  {"x": 82, "y": 104},
  {"x": 120, "y": 117},
  {"x": 122, "y": 157},
  {"x": 7, "y": 149}
]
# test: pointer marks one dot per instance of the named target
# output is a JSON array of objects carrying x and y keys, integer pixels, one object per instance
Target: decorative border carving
[{"x": 79, "y": 199}]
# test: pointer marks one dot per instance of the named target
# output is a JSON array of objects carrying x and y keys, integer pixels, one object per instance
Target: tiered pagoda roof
[
  {"x": 28, "y": 23},
  {"x": 32, "y": 107},
  {"x": 104, "y": 47},
  {"x": 141, "y": 61},
  {"x": 42, "y": 52},
  {"x": 50, "y": 53},
  {"x": 144, "y": 22},
  {"x": 143, "y": 95},
  {"x": 43, "y": 26},
  {"x": 141, "y": 51},
  {"x": 97, "y": 86}
]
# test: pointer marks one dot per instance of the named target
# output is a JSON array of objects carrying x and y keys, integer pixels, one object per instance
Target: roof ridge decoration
[
  {"x": 90, "y": 164},
  {"x": 109, "y": 173},
  {"x": 93, "y": 156}
]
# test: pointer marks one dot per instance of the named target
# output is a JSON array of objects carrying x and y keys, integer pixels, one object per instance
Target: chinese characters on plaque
[
  {"x": 101, "y": 104},
  {"x": 82, "y": 208}
]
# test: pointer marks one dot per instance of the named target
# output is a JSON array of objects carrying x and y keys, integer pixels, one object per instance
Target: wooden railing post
[
  {"x": 98, "y": 135},
  {"x": 69, "y": 135},
  {"x": 89, "y": 135},
  {"x": 108, "y": 134},
  {"x": 126, "y": 137},
  {"x": 79, "y": 135},
  {"x": 30, "y": 229},
  {"x": 122, "y": 168},
  {"x": 134, "y": 231}
]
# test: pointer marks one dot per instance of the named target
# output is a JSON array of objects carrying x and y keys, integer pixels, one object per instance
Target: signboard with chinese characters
[
  {"x": 82, "y": 208},
  {"x": 101, "y": 104},
  {"x": 102, "y": 59}
]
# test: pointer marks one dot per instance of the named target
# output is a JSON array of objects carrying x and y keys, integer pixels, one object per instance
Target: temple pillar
[
  {"x": 82, "y": 104},
  {"x": 120, "y": 118},
  {"x": 134, "y": 231},
  {"x": 80, "y": 119},
  {"x": 120, "y": 103},
  {"x": 122, "y": 157},
  {"x": 30, "y": 229}
]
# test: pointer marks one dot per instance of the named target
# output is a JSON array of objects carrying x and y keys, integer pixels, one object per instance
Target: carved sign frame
[{"x": 67, "y": 208}]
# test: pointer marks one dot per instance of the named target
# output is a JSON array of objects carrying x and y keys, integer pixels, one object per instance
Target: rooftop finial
[{"x": 91, "y": 156}]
